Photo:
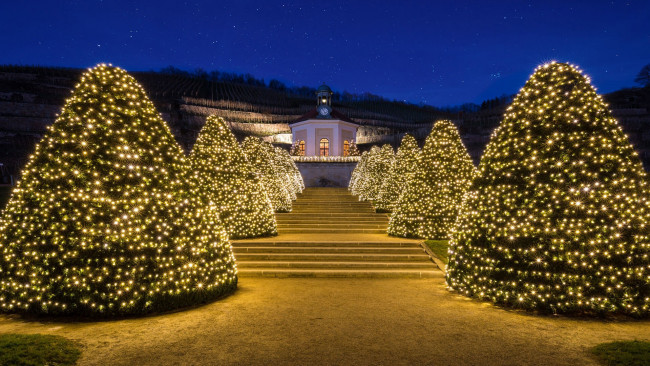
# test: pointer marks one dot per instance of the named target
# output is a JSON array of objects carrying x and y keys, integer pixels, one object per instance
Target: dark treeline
[
  {"x": 273, "y": 84},
  {"x": 301, "y": 91}
]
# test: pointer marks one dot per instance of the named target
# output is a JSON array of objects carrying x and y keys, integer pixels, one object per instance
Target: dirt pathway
[{"x": 339, "y": 321}]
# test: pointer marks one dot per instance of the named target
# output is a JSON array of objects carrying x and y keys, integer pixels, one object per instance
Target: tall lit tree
[
  {"x": 101, "y": 221},
  {"x": 225, "y": 179},
  {"x": 354, "y": 149},
  {"x": 558, "y": 218},
  {"x": 262, "y": 158},
  {"x": 289, "y": 166},
  {"x": 400, "y": 172},
  {"x": 287, "y": 170},
  {"x": 376, "y": 171},
  {"x": 429, "y": 205},
  {"x": 358, "y": 173}
]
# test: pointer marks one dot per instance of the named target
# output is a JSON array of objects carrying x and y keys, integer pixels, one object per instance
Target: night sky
[{"x": 436, "y": 52}]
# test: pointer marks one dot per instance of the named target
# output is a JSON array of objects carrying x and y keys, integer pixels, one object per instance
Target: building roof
[
  {"x": 324, "y": 88},
  {"x": 313, "y": 114}
]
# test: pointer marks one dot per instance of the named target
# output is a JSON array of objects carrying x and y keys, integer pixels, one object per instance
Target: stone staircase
[{"x": 330, "y": 233}]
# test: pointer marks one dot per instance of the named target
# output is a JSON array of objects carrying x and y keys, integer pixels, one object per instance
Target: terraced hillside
[{"x": 31, "y": 97}]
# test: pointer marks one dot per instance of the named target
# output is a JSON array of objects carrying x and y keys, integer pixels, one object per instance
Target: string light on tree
[
  {"x": 375, "y": 172},
  {"x": 225, "y": 179},
  {"x": 101, "y": 221},
  {"x": 400, "y": 172},
  {"x": 262, "y": 158},
  {"x": 557, "y": 219},
  {"x": 286, "y": 164},
  {"x": 429, "y": 205},
  {"x": 354, "y": 149},
  {"x": 358, "y": 172}
]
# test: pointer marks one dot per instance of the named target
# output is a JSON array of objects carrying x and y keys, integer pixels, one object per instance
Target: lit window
[
  {"x": 324, "y": 147},
  {"x": 301, "y": 148},
  {"x": 346, "y": 148}
]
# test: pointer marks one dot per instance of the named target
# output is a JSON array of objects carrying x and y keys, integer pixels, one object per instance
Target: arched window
[
  {"x": 346, "y": 148},
  {"x": 301, "y": 148},
  {"x": 324, "y": 147}
]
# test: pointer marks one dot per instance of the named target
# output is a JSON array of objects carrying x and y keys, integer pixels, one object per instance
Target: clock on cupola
[{"x": 324, "y": 103}]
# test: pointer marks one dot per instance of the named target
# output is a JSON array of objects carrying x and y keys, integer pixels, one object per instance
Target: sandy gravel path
[{"x": 339, "y": 321}]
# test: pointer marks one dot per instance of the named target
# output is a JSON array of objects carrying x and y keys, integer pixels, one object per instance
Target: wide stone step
[
  {"x": 335, "y": 225},
  {"x": 340, "y": 214},
  {"x": 330, "y": 204},
  {"x": 328, "y": 264},
  {"x": 372, "y": 244},
  {"x": 332, "y": 214},
  {"x": 320, "y": 210},
  {"x": 328, "y": 250},
  {"x": 318, "y": 230},
  {"x": 339, "y": 257},
  {"x": 333, "y": 220},
  {"x": 338, "y": 273}
]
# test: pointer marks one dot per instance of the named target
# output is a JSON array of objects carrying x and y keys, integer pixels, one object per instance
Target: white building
[{"x": 324, "y": 131}]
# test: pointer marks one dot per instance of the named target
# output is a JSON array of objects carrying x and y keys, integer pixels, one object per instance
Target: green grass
[
  {"x": 37, "y": 349},
  {"x": 439, "y": 248},
  {"x": 5, "y": 192},
  {"x": 628, "y": 353}
]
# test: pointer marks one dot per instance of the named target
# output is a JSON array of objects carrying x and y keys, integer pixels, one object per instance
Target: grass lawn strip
[
  {"x": 37, "y": 349},
  {"x": 628, "y": 353},
  {"x": 439, "y": 248}
]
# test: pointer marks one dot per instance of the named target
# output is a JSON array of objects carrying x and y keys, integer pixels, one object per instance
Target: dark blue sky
[{"x": 436, "y": 52}]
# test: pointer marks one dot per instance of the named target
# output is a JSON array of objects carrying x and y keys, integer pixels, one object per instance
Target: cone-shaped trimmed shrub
[
  {"x": 357, "y": 173},
  {"x": 226, "y": 180},
  {"x": 287, "y": 170},
  {"x": 289, "y": 167},
  {"x": 354, "y": 149},
  {"x": 375, "y": 172},
  {"x": 101, "y": 222},
  {"x": 429, "y": 205},
  {"x": 557, "y": 220},
  {"x": 400, "y": 172},
  {"x": 262, "y": 158}
]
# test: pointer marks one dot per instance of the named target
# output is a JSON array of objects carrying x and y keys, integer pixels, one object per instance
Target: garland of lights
[
  {"x": 326, "y": 159},
  {"x": 557, "y": 219},
  {"x": 225, "y": 179},
  {"x": 429, "y": 205},
  {"x": 102, "y": 221},
  {"x": 262, "y": 158},
  {"x": 400, "y": 172}
]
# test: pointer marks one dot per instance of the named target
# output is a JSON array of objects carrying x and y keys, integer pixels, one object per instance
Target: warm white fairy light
[
  {"x": 102, "y": 221},
  {"x": 262, "y": 158},
  {"x": 225, "y": 179},
  {"x": 358, "y": 171},
  {"x": 557, "y": 219},
  {"x": 429, "y": 205},
  {"x": 400, "y": 172},
  {"x": 375, "y": 171}
]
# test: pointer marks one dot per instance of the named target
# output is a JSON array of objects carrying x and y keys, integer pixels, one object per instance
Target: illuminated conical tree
[
  {"x": 357, "y": 173},
  {"x": 400, "y": 172},
  {"x": 287, "y": 170},
  {"x": 225, "y": 179},
  {"x": 101, "y": 221},
  {"x": 376, "y": 171},
  {"x": 354, "y": 149},
  {"x": 429, "y": 205},
  {"x": 558, "y": 218},
  {"x": 288, "y": 165},
  {"x": 263, "y": 161}
]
